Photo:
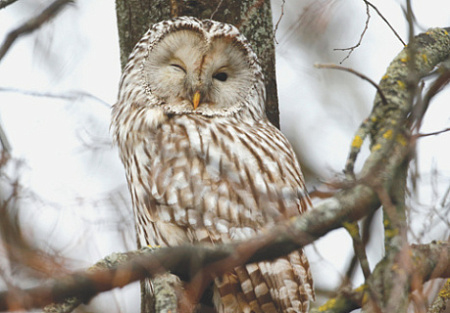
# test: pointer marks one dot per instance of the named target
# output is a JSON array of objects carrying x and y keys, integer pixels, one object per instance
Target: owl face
[{"x": 201, "y": 67}]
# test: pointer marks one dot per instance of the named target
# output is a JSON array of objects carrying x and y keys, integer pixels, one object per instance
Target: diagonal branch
[
  {"x": 5, "y": 3},
  {"x": 386, "y": 21},
  {"x": 50, "y": 12},
  {"x": 185, "y": 261},
  {"x": 430, "y": 261}
]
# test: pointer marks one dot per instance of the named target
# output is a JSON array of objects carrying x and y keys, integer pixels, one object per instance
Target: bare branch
[
  {"x": 72, "y": 95},
  {"x": 173, "y": 8},
  {"x": 50, "y": 12},
  {"x": 440, "y": 303},
  {"x": 422, "y": 104},
  {"x": 427, "y": 261},
  {"x": 353, "y": 262},
  {"x": 364, "y": 128},
  {"x": 386, "y": 21},
  {"x": 434, "y": 133},
  {"x": 358, "y": 247},
  {"x": 351, "y": 49},
  {"x": 4, "y": 142},
  {"x": 278, "y": 22},
  {"x": 366, "y": 27},
  {"x": 188, "y": 262},
  {"x": 360, "y": 75},
  {"x": 5, "y": 3},
  {"x": 346, "y": 301},
  {"x": 217, "y": 9}
]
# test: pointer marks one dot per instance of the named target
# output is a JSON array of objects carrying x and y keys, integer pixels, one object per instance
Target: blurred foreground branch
[
  {"x": 429, "y": 261},
  {"x": 189, "y": 262},
  {"x": 31, "y": 25},
  {"x": 5, "y": 3}
]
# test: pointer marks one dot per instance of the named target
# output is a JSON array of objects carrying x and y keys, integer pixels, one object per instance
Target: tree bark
[{"x": 253, "y": 18}]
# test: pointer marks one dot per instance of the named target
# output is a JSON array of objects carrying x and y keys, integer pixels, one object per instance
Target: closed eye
[
  {"x": 178, "y": 67},
  {"x": 222, "y": 76}
]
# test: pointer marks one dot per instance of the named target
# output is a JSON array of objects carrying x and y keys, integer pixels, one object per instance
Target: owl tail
[{"x": 282, "y": 285}]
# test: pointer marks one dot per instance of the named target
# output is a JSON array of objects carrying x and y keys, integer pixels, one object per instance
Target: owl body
[{"x": 203, "y": 163}]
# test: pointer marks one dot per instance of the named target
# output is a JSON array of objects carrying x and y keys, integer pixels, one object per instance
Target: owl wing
[{"x": 223, "y": 181}]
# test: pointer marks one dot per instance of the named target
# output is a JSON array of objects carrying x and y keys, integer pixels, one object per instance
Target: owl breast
[
  {"x": 212, "y": 180},
  {"x": 203, "y": 163}
]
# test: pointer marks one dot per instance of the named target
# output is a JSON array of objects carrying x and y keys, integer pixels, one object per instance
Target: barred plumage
[{"x": 215, "y": 172}]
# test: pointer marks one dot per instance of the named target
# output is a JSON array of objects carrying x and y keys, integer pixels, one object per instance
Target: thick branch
[
  {"x": 428, "y": 261},
  {"x": 188, "y": 261},
  {"x": 390, "y": 284},
  {"x": 440, "y": 303},
  {"x": 5, "y": 3}
]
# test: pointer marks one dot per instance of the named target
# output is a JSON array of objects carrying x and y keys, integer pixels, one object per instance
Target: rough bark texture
[{"x": 253, "y": 18}]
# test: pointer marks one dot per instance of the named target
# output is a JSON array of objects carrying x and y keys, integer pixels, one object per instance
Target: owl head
[{"x": 191, "y": 66}]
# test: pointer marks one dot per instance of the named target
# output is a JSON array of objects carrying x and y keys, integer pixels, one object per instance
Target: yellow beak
[{"x": 196, "y": 99}]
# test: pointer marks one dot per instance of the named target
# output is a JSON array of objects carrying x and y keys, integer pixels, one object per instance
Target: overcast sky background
[{"x": 76, "y": 202}]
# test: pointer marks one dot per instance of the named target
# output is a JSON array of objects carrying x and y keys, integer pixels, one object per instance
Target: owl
[{"x": 203, "y": 163}]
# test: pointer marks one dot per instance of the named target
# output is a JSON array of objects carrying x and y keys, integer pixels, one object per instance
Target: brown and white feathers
[{"x": 202, "y": 161}]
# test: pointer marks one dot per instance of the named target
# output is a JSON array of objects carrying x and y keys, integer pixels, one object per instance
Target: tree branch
[
  {"x": 440, "y": 303},
  {"x": 5, "y": 3},
  {"x": 386, "y": 21},
  {"x": 33, "y": 24},
  {"x": 393, "y": 278},
  {"x": 430, "y": 261}
]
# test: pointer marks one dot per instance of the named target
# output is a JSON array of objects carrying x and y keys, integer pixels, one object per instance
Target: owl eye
[
  {"x": 178, "y": 67},
  {"x": 221, "y": 76}
]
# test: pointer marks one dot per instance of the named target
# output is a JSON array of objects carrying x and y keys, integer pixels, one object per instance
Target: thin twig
[
  {"x": 435, "y": 88},
  {"x": 5, "y": 3},
  {"x": 351, "y": 49},
  {"x": 434, "y": 133},
  {"x": 216, "y": 10},
  {"x": 4, "y": 141},
  {"x": 359, "y": 247},
  {"x": 173, "y": 8},
  {"x": 68, "y": 95},
  {"x": 365, "y": 127},
  {"x": 386, "y": 21},
  {"x": 445, "y": 197},
  {"x": 32, "y": 24},
  {"x": 278, "y": 22},
  {"x": 366, "y": 227},
  {"x": 342, "y": 68}
]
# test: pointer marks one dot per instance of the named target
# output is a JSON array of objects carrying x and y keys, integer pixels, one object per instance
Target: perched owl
[{"x": 203, "y": 163}]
